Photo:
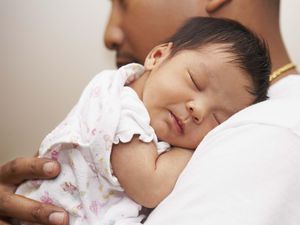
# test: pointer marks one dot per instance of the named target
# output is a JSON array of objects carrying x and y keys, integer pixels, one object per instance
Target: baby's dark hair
[{"x": 248, "y": 51}]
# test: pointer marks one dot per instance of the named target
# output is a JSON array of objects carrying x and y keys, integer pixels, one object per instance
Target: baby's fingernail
[
  {"x": 57, "y": 218},
  {"x": 49, "y": 167}
]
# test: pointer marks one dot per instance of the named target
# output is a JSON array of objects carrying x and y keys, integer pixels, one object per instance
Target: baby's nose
[{"x": 196, "y": 114}]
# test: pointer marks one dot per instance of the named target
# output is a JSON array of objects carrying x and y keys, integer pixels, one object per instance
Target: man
[{"x": 244, "y": 172}]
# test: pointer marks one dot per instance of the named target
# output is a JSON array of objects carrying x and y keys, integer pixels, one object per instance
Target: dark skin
[
  {"x": 14, "y": 173},
  {"x": 120, "y": 36}
]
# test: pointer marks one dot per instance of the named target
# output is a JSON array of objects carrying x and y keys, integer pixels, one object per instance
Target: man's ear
[
  {"x": 157, "y": 55},
  {"x": 214, "y": 5}
]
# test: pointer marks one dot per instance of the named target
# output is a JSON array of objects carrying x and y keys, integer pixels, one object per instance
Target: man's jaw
[{"x": 123, "y": 58}]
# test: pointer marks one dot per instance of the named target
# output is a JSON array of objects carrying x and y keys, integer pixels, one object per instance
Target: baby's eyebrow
[
  {"x": 202, "y": 74},
  {"x": 207, "y": 71}
]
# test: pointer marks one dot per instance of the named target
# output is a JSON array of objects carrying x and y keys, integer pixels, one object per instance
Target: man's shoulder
[
  {"x": 261, "y": 121},
  {"x": 282, "y": 109}
]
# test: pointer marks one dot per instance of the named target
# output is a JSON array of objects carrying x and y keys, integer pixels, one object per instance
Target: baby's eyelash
[{"x": 194, "y": 82}]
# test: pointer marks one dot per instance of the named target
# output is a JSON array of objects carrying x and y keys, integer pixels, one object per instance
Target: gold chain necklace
[{"x": 281, "y": 70}]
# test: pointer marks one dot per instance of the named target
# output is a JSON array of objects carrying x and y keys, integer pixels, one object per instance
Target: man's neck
[{"x": 265, "y": 23}]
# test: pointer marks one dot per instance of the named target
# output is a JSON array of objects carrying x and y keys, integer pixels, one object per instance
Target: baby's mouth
[{"x": 179, "y": 126}]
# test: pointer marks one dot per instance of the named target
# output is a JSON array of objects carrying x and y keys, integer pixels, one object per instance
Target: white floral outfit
[{"x": 108, "y": 112}]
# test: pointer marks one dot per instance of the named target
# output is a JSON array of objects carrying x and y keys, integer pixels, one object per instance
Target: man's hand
[{"x": 14, "y": 206}]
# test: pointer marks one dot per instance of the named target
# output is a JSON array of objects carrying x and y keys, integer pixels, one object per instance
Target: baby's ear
[
  {"x": 214, "y": 5},
  {"x": 157, "y": 55}
]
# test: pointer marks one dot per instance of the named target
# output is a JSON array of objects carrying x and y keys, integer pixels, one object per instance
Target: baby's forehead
[
  {"x": 210, "y": 56},
  {"x": 222, "y": 49},
  {"x": 221, "y": 54}
]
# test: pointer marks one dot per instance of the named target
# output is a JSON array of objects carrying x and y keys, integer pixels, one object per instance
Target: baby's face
[{"x": 192, "y": 92}]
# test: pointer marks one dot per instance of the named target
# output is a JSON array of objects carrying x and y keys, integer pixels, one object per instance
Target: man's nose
[{"x": 113, "y": 36}]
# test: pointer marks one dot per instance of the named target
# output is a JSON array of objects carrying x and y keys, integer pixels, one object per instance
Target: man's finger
[
  {"x": 20, "y": 169},
  {"x": 23, "y": 209},
  {"x": 2, "y": 222}
]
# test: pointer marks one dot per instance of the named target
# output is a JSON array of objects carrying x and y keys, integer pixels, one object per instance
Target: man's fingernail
[
  {"x": 57, "y": 218},
  {"x": 49, "y": 167}
]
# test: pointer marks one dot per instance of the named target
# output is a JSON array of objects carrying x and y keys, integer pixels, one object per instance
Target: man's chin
[
  {"x": 120, "y": 64},
  {"x": 124, "y": 59}
]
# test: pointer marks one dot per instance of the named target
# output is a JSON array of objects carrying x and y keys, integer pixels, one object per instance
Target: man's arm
[
  {"x": 146, "y": 176},
  {"x": 15, "y": 206}
]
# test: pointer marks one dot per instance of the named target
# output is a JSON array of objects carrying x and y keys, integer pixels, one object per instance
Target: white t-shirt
[{"x": 246, "y": 171}]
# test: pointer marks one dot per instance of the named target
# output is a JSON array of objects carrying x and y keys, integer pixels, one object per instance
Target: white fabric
[
  {"x": 108, "y": 112},
  {"x": 246, "y": 171}
]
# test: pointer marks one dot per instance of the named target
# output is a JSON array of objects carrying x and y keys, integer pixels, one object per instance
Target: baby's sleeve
[
  {"x": 135, "y": 120},
  {"x": 90, "y": 127}
]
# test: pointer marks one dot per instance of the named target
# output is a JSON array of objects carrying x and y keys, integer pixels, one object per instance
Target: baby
[{"x": 124, "y": 144}]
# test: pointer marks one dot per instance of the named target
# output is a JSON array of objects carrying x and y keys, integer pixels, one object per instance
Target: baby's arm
[{"x": 147, "y": 177}]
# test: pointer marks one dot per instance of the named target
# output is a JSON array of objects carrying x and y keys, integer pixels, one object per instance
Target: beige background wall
[{"x": 49, "y": 50}]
